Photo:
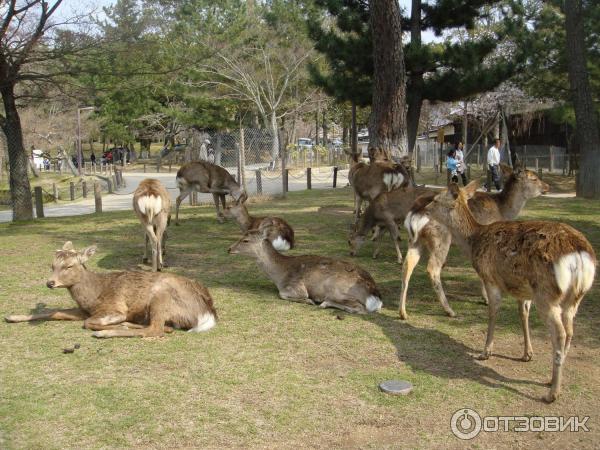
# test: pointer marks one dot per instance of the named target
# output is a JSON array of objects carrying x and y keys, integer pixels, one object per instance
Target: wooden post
[
  {"x": 144, "y": 167},
  {"x": 540, "y": 173},
  {"x": 468, "y": 172},
  {"x": 537, "y": 164},
  {"x": 55, "y": 192},
  {"x": 39, "y": 202},
  {"x": 524, "y": 157},
  {"x": 309, "y": 178},
  {"x": 170, "y": 167},
  {"x": 72, "y": 190},
  {"x": 286, "y": 174},
  {"x": 258, "y": 182},
  {"x": 551, "y": 159},
  {"x": 335, "y": 171},
  {"x": 115, "y": 184},
  {"x": 158, "y": 167},
  {"x": 110, "y": 185},
  {"x": 84, "y": 189},
  {"x": 98, "y": 196},
  {"x": 418, "y": 149}
]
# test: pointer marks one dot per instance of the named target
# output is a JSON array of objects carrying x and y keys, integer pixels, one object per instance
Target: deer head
[
  {"x": 249, "y": 244},
  {"x": 444, "y": 206},
  {"x": 68, "y": 266}
]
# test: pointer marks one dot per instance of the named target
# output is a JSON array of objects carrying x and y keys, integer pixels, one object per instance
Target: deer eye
[{"x": 245, "y": 240}]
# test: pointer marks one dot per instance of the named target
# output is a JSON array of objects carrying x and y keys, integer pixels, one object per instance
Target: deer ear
[
  {"x": 506, "y": 170},
  {"x": 87, "y": 254},
  {"x": 471, "y": 188},
  {"x": 68, "y": 246},
  {"x": 242, "y": 198}
]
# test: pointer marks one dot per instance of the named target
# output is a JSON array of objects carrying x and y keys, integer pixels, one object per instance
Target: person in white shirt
[
  {"x": 460, "y": 159},
  {"x": 493, "y": 160}
]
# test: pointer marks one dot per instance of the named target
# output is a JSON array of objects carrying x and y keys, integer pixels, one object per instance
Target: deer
[
  {"x": 548, "y": 263},
  {"x": 385, "y": 211},
  {"x": 125, "y": 304},
  {"x": 203, "y": 176},
  {"x": 152, "y": 205},
  {"x": 424, "y": 233},
  {"x": 370, "y": 180},
  {"x": 311, "y": 279},
  {"x": 279, "y": 232}
]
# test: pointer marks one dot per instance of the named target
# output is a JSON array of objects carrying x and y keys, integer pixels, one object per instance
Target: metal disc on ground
[{"x": 397, "y": 387}]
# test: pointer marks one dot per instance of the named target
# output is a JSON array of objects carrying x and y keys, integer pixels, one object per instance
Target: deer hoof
[
  {"x": 100, "y": 334},
  {"x": 527, "y": 357},
  {"x": 403, "y": 315},
  {"x": 483, "y": 356},
  {"x": 13, "y": 318},
  {"x": 550, "y": 398},
  {"x": 451, "y": 313}
]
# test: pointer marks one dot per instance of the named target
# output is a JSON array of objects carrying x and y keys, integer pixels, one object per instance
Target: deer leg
[
  {"x": 223, "y": 200},
  {"x": 54, "y": 314},
  {"x": 434, "y": 269},
  {"x": 297, "y": 294},
  {"x": 412, "y": 259},
  {"x": 220, "y": 217},
  {"x": 378, "y": 238},
  {"x": 153, "y": 245},
  {"x": 146, "y": 243},
  {"x": 553, "y": 316},
  {"x": 357, "y": 206},
  {"x": 524, "y": 307},
  {"x": 182, "y": 195},
  {"x": 161, "y": 225},
  {"x": 393, "y": 230},
  {"x": 495, "y": 297},
  {"x": 103, "y": 320},
  {"x": 350, "y": 306},
  {"x": 484, "y": 294}
]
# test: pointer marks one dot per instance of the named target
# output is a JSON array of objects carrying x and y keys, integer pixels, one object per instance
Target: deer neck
[
  {"x": 367, "y": 221},
  {"x": 464, "y": 227},
  {"x": 86, "y": 292},
  {"x": 511, "y": 200},
  {"x": 273, "y": 263},
  {"x": 244, "y": 219}
]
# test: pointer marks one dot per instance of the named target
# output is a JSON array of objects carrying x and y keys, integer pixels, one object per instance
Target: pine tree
[{"x": 436, "y": 71}]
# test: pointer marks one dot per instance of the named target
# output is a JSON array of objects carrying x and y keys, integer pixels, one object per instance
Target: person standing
[
  {"x": 451, "y": 164},
  {"x": 460, "y": 162},
  {"x": 493, "y": 161},
  {"x": 93, "y": 159}
]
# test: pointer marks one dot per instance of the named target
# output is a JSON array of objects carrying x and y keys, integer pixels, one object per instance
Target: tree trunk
[
  {"x": 588, "y": 179},
  {"x": 354, "y": 130},
  {"x": 275, "y": 134},
  {"x": 20, "y": 190},
  {"x": 387, "y": 125},
  {"x": 416, "y": 83}
]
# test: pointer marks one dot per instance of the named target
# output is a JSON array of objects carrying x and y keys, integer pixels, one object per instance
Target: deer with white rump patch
[
  {"x": 279, "y": 232},
  {"x": 550, "y": 263},
  {"x": 312, "y": 279},
  {"x": 125, "y": 304},
  {"x": 426, "y": 234},
  {"x": 202, "y": 176},
  {"x": 370, "y": 180},
  {"x": 152, "y": 205}
]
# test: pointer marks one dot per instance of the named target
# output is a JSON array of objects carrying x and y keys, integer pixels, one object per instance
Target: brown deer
[
  {"x": 424, "y": 233},
  {"x": 370, "y": 180},
  {"x": 202, "y": 176},
  {"x": 386, "y": 211},
  {"x": 550, "y": 263},
  {"x": 312, "y": 279},
  {"x": 152, "y": 205},
  {"x": 125, "y": 304},
  {"x": 279, "y": 232}
]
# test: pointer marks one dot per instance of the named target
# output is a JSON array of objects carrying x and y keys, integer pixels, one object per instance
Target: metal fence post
[
  {"x": 335, "y": 171},
  {"x": 551, "y": 159},
  {"x": 55, "y": 192},
  {"x": 98, "y": 197},
  {"x": 39, "y": 202},
  {"x": 72, "y": 190},
  {"x": 309, "y": 178},
  {"x": 286, "y": 175},
  {"x": 84, "y": 189},
  {"x": 258, "y": 182}
]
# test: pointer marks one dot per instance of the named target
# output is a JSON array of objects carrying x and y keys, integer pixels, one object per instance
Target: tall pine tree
[{"x": 436, "y": 71}]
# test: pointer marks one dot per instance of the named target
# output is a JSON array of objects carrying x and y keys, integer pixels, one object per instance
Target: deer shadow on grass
[{"x": 436, "y": 353}]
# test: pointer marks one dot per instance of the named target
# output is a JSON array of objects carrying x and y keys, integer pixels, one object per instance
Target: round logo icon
[{"x": 465, "y": 424}]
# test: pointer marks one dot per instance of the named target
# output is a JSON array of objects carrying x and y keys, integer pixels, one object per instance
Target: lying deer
[
  {"x": 279, "y": 232},
  {"x": 550, "y": 263},
  {"x": 312, "y": 279},
  {"x": 424, "y": 233},
  {"x": 126, "y": 304},
  {"x": 152, "y": 205},
  {"x": 386, "y": 211},
  {"x": 202, "y": 176},
  {"x": 370, "y": 180}
]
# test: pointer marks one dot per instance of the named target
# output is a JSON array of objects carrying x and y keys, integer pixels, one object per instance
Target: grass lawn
[{"x": 275, "y": 373}]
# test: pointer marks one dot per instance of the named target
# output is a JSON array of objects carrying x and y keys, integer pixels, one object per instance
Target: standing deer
[
  {"x": 278, "y": 231},
  {"x": 203, "y": 176},
  {"x": 126, "y": 304},
  {"x": 312, "y": 279},
  {"x": 550, "y": 263},
  {"x": 152, "y": 205},
  {"x": 370, "y": 180},
  {"x": 387, "y": 210},
  {"x": 424, "y": 233}
]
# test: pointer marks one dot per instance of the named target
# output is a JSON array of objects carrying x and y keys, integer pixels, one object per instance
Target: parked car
[
  {"x": 305, "y": 143},
  {"x": 38, "y": 158}
]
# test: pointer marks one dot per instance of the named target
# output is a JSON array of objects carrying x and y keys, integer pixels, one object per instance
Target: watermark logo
[{"x": 467, "y": 423}]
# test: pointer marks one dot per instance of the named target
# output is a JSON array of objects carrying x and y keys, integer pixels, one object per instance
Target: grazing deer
[
  {"x": 370, "y": 180},
  {"x": 152, "y": 205},
  {"x": 550, "y": 263},
  {"x": 202, "y": 176},
  {"x": 387, "y": 210},
  {"x": 126, "y": 304},
  {"x": 424, "y": 233},
  {"x": 279, "y": 232},
  {"x": 312, "y": 279}
]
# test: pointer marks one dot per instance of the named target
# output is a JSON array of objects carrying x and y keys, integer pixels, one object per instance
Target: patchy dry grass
[{"x": 275, "y": 373}]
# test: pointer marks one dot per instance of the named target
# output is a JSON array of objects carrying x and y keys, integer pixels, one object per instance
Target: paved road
[{"x": 271, "y": 184}]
